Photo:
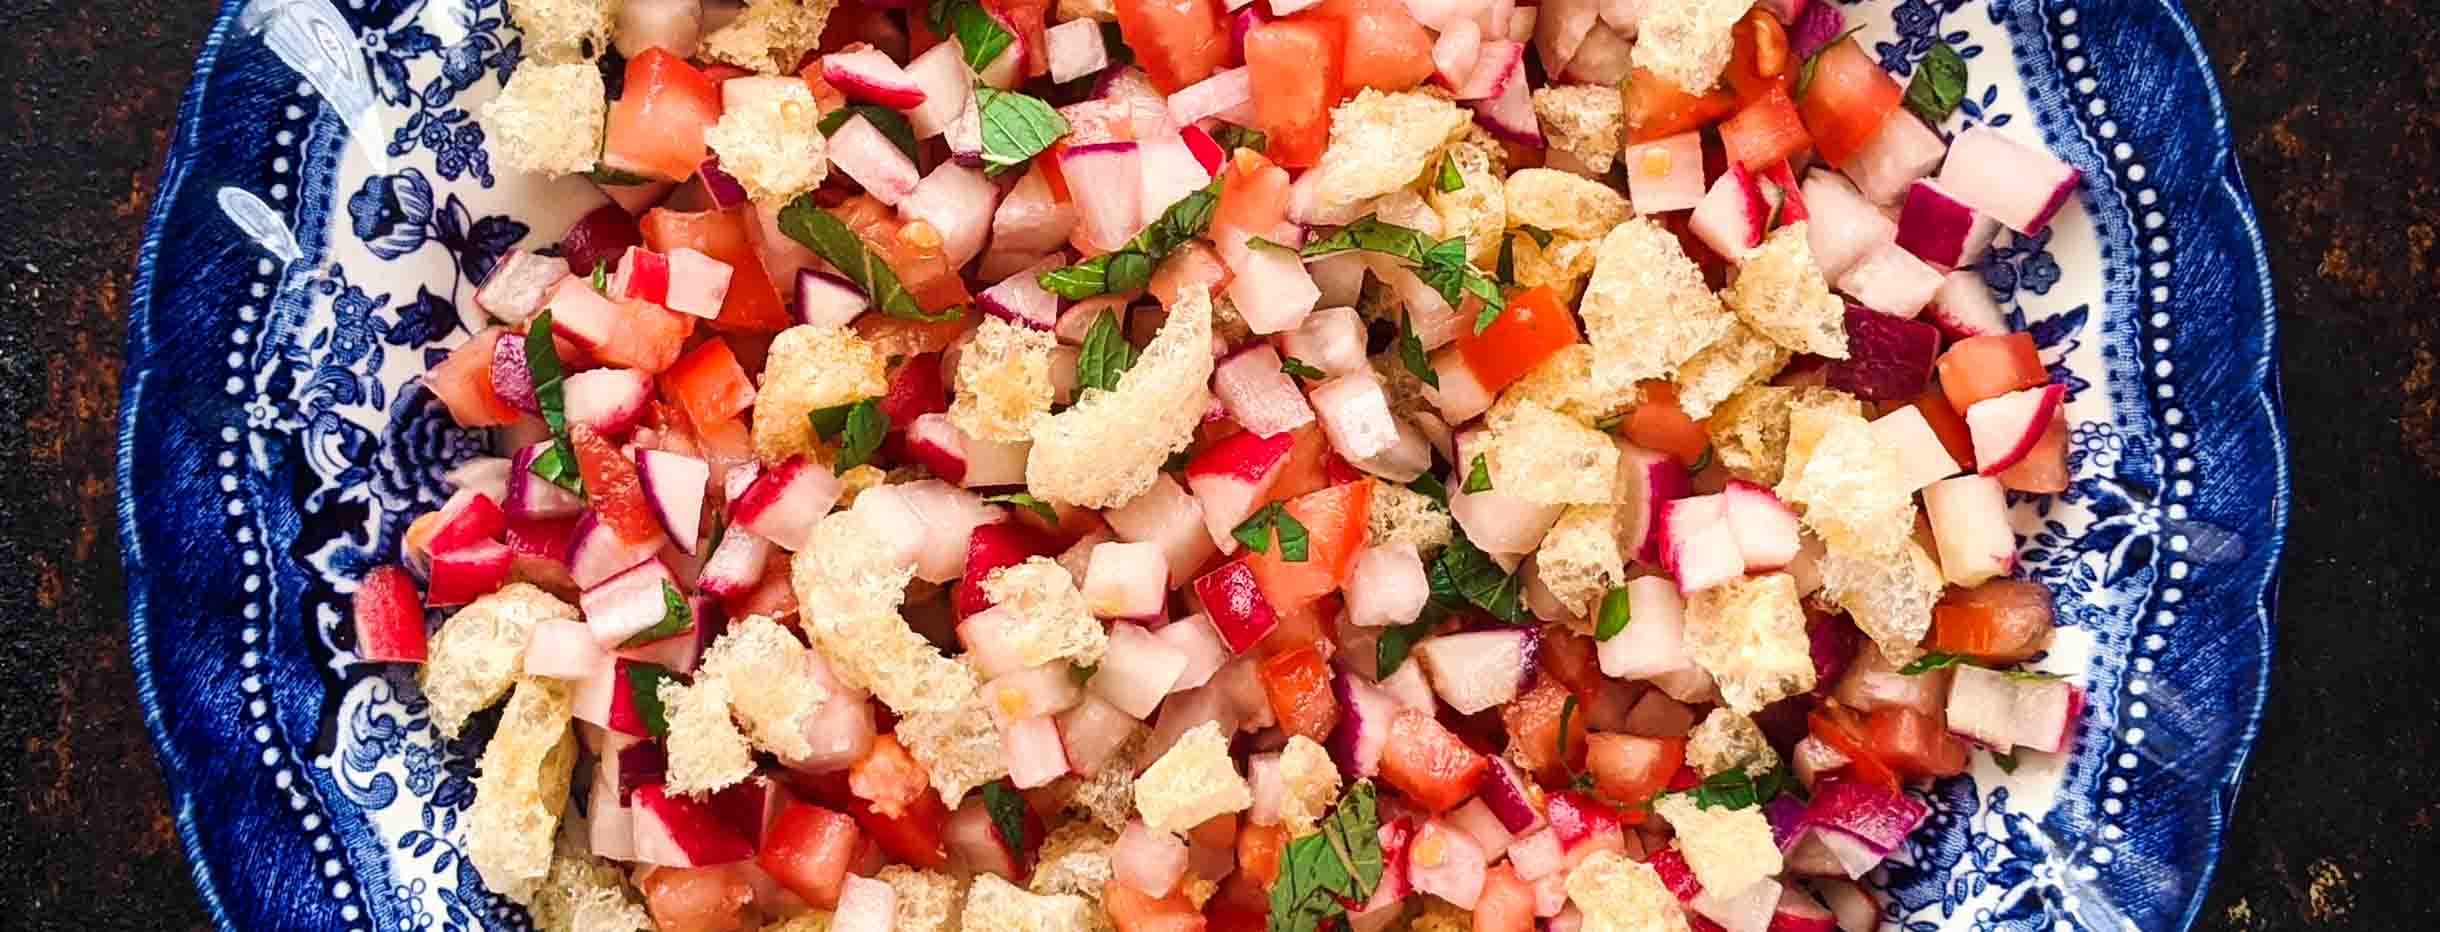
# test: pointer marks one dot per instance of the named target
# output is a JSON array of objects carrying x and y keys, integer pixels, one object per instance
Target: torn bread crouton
[
  {"x": 1749, "y": 431},
  {"x": 771, "y": 36},
  {"x": 927, "y": 901},
  {"x": 1380, "y": 143},
  {"x": 839, "y": 571},
  {"x": 1728, "y": 849},
  {"x": 1107, "y": 796},
  {"x": 1107, "y": 449},
  {"x": 706, "y": 751},
  {"x": 995, "y": 905},
  {"x": 1618, "y": 894},
  {"x": 812, "y": 920},
  {"x": 771, "y": 144},
  {"x": 1477, "y": 210},
  {"x": 1781, "y": 293},
  {"x": 1579, "y": 560},
  {"x": 1564, "y": 383},
  {"x": 558, "y": 32},
  {"x": 772, "y": 683},
  {"x": 850, "y": 591},
  {"x": 1749, "y": 634},
  {"x": 1564, "y": 203},
  {"x": 1646, "y": 310},
  {"x": 810, "y": 368},
  {"x": 586, "y": 894},
  {"x": 1740, "y": 357},
  {"x": 1563, "y": 266},
  {"x": 1194, "y": 781},
  {"x": 1400, "y": 515},
  {"x": 1003, "y": 381},
  {"x": 1825, "y": 407},
  {"x": 1688, "y": 42},
  {"x": 1890, "y": 596},
  {"x": 1848, "y": 485},
  {"x": 548, "y": 119},
  {"x": 520, "y": 789},
  {"x": 1584, "y": 120},
  {"x": 475, "y": 657},
  {"x": 1055, "y": 620},
  {"x": 1439, "y": 915},
  {"x": 1312, "y": 785},
  {"x": 959, "y": 746},
  {"x": 1726, "y": 741},
  {"x": 1543, "y": 456},
  {"x": 1074, "y": 858}
]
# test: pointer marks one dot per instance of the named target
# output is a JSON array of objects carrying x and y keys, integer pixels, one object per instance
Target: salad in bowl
[{"x": 1175, "y": 465}]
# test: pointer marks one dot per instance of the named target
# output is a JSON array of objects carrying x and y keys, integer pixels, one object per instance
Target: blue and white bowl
[{"x": 329, "y": 205}]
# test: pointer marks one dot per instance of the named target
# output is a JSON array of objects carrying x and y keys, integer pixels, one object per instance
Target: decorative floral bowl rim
[{"x": 272, "y": 437}]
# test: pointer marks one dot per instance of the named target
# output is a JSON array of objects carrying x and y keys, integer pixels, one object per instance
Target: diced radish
[
  {"x": 865, "y": 905},
  {"x": 1496, "y": 521},
  {"x": 1076, "y": 49},
  {"x": 1034, "y": 752},
  {"x": 1387, "y": 586},
  {"x": 1258, "y": 392},
  {"x": 674, "y": 831},
  {"x": 873, "y": 161},
  {"x": 697, "y": 283},
  {"x": 939, "y": 446},
  {"x": 1330, "y": 339},
  {"x": 1031, "y": 218},
  {"x": 1855, "y": 909},
  {"x": 2020, "y": 185},
  {"x": 1234, "y": 603},
  {"x": 736, "y": 566},
  {"x": 1765, "y": 527},
  {"x": 1963, "y": 307},
  {"x": 611, "y": 401},
  {"x": 1922, "y": 460},
  {"x": 1646, "y": 479},
  {"x": 1269, "y": 790},
  {"x": 1047, "y": 689},
  {"x": 469, "y": 517},
  {"x": 1665, "y": 174},
  {"x": 1166, "y": 515},
  {"x": 389, "y": 616},
  {"x": 1355, "y": 414},
  {"x": 1126, "y": 580},
  {"x": 1969, "y": 516},
  {"x": 683, "y": 652},
  {"x": 1698, "y": 544},
  {"x": 467, "y": 573},
  {"x": 868, "y": 74},
  {"x": 786, "y": 501},
  {"x": 1364, "y": 718},
  {"x": 1022, "y": 299},
  {"x": 1233, "y": 476},
  {"x": 1435, "y": 322},
  {"x": 518, "y": 286},
  {"x": 1455, "y": 52},
  {"x": 1510, "y": 115},
  {"x": 596, "y": 552},
  {"x": 1093, "y": 732},
  {"x": 1110, "y": 210},
  {"x": 1138, "y": 670},
  {"x": 1891, "y": 280},
  {"x": 1841, "y": 226},
  {"x": 1167, "y": 171},
  {"x": 1194, "y": 639},
  {"x": 1476, "y": 820},
  {"x": 945, "y": 517},
  {"x": 675, "y": 486},
  {"x": 2008, "y": 427},
  {"x": 1150, "y": 861},
  {"x": 1877, "y": 816},
  {"x": 563, "y": 648},
  {"x": 947, "y": 86},
  {"x": 1476, "y": 670},
  {"x": 1446, "y": 862},
  {"x": 641, "y": 274},
  {"x": 1228, "y": 95},
  {"x": 1652, "y": 643},
  {"x": 974, "y": 843},
  {"x": 1903, "y": 151},
  {"x": 1497, "y": 63},
  {"x": 1889, "y": 358},
  {"x": 1747, "y": 910},
  {"x": 1511, "y": 798},
  {"x": 1733, "y": 215},
  {"x": 626, "y": 604},
  {"x": 1461, "y": 394},
  {"x": 958, "y": 202},
  {"x": 1940, "y": 229},
  {"x": 1340, "y": 276},
  {"x": 1271, "y": 289}
]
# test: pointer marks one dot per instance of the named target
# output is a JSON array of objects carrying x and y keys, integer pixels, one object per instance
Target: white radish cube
[
  {"x": 1892, "y": 281},
  {"x": 1076, "y": 49},
  {"x": 1166, "y": 515},
  {"x": 1665, "y": 174},
  {"x": 1969, "y": 516},
  {"x": 1330, "y": 339},
  {"x": 1355, "y": 416},
  {"x": 1840, "y": 225},
  {"x": 1125, "y": 580},
  {"x": 1653, "y": 643},
  {"x": 1258, "y": 393},
  {"x": 1387, "y": 587},
  {"x": 1904, "y": 150},
  {"x": 1460, "y": 395},
  {"x": 865, "y": 905},
  {"x": 1138, "y": 669},
  {"x": 1922, "y": 459},
  {"x": 1271, "y": 288},
  {"x": 1205, "y": 653},
  {"x": 1035, "y": 755},
  {"x": 697, "y": 283}
]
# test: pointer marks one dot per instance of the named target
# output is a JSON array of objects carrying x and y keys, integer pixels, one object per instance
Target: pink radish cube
[
  {"x": 1461, "y": 395},
  {"x": 736, "y": 566},
  {"x": 1476, "y": 670},
  {"x": 1904, "y": 150},
  {"x": 1093, "y": 732},
  {"x": 873, "y": 161},
  {"x": 1109, "y": 211},
  {"x": 1194, "y": 638},
  {"x": 1840, "y": 225},
  {"x": 1341, "y": 278},
  {"x": 1169, "y": 171},
  {"x": 786, "y": 500},
  {"x": 1271, "y": 288},
  {"x": 675, "y": 485},
  {"x": 1227, "y": 95},
  {"x": 564, "y": 649},
  {"x": 939, "y": 446},
  {"x": 1126, "y": 580},
  {"x": 1262, "y": 774},
  {"x": 1665, "y": 174},
  {"x": 957, "y": 201},
  {"x": 947, "y": 86},
  {"x": 518, "y": 286},
  {"x": 610, "y": 822},
  {"x": 1698, "y": 544},
  {"x": 611, "y": 401},
  {"x": 1165, "y": 515},
  {"x": 869, "y": 75},
  {"x": 1969, "y": 516},
  {"x": 1258, "y": 393},
  {"x": 697, "y": 283},
  {"x": 1536, "y": 854},
  {"x": 1045, "y": 689},
  {"x": 1765, "y": 527},
  {"x": 1455, "y": 52},
  {"x": 641, "y": 274},
  {"x": 1732, "y": 215},
  {"x": 1330, "y": 339},
  {"x": 1652, "y": 644},
  {"x": 840, "y": 734},
  {"x": 865, "y": 905},
  {"x": 1035, "y": 755},
  {"x": 1076, "y": 49},
  {"x": 1747, "y": 910},
  {"x": 2019, "y": 184},
  {"x": 2007, "y": 428},
  {"x": 1355, "y": 414},
  {"x": 672, "y": 830},
  {"x": 1138, "y": 670},
  {"x": 948, "y": 515},
  {"x": 596, "y": 553},
  {"x": 1236, "y": 606},
  {"x": 1922, "y": 459},
  {"x": 1446, "y": 862},
  {"x": 1892, "y": 281},
  {"x": 626, "y": 604},
  {"x": 1387, "y": 587},
  {"x": 1646, "y": 479},
  {"x": 1031, "y": 219},
  {"x": 1475, "y": 819},
  {"x": 1150, "y": 861},
  {"x": 1963, "y": 307},
  {"x": 1233, "y": 476},
  {"x": 1942, "y": 230}
]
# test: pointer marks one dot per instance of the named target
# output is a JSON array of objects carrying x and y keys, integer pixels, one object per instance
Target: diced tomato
[
  {"x": 1193, "y": 266},
  {"x": 697, "y": 899},
  {"x": 1298, "y": 685},
  {"x": 1027, "y": 17},
  {"x": 1506, "y": 903},
  {"x": 1297, "y": 73},
  {"x": 1258, "y": 850},
  {"x": 1384, "y": 47},
  {"x": 1659, "y": 424},
  {"x": 912, "y": 249},
  {"x": 1766, "y": 132},
  {"x": 728, "y": 442},
  {"x": 1131, "y": 911},
  {"x": 613, "y": 487},
  {"x": 1253, "y": 201},
  {"x": 1947, "y": 425},
  {"x": 1571, "y": 658},
  {"x": 1307, "y": 468},
  {"x": 888, "y": 776},
  {"x": 1759, "y": 61},
  {"x": 1432, "y": 767},
  {"x": 2000, "y": 622},
  {"x": 1240, "y": 905},
  {"x": 1579, "y": 820},
  {"x": 709, "y": 384},
  {"x": 753, "y": 304},
  {"x": 1657, "y": 109},
  {"x": 1179, "y": 42},
  {"x": 463, "y": 384},
  {"x": 1977, "y": 368},
  {"x": 1839, "y": 728},
  {"x": 658, "y": 123},
  {"x": 1914, "y": 744},
  {"x": 1219, "y": 831},
  {"x": 648, "y": 338},
  {"x": 2044, "y": 468},
  {"x": 1847, "y": 100},
  {"x": 1334, "y": 526},
  {"x": 390, "y": 617},
  {"x": 1632, "y": 768},
  {"x": 1534, "y": 738},
  {"x": 1309, "y": 625},
  {"x": 773, "y": 596},
  {"x": 1535, "y": 326},
  {"x": 808, "y": 849}
]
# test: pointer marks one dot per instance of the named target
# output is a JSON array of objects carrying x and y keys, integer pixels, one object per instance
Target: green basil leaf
[
  {"x": 644, "y": 688},
  {"x": 2032, "y": 676},
  {"x": 2007, "y": 762},
  {"x": 1293, "y": 540},
  {"x": 892, "y": 124},
  {"x": 980, "y": 37},
  {"x": 1478, "y": 476},
  {"x": 1105, "y": 356},
  {"x": 1804, "y": 72},
  {"x": 829, "y": 422},
  {"x": 861, "y": 436},
  {"x": 611, "y": 177},
  {"x": 1701, "y": 462},
  {"x": 1312, "y": 877},
  {"x": 1567, "y": 712},
  {"x": 1614, "y": 615},
  {"x": 1232, "y": 137},
  {"x": 1450, "y": 179},
  {"x": 1255, "y": 531},
  {"x": 1129, "y": 268},
  {"x": 1397, "y": 641},
  {"x": 676, "y": 619},
  {"x": 1301, "y": 369},
  {"x": 1372, "y": 234},
  {"x": 556, "y": 465},
  {"x": 1505, "y": 268},
  {"x": 1082, "y": 674},
  {"x": 1354, "y": 828},
  {"x": 1129, "y": 271},
  {"x": 1540, "y": 237},
  {"x": 1027, "y": 501},
  {"x": 1469, "y": 573},
  {"x": 1410, "y": 352},
  {"x": 1927, "y": 663},
  {"x": 1016, "y": 127},
  {"x": 1080, "y": 281},
  {"x": 816, "y": 229},
  {"x": 558, "y": 468},
  {"x": 1431, "y": 486},
  {"x": 1007, "y": 809},
  {"x": 1939, "y": 84}
]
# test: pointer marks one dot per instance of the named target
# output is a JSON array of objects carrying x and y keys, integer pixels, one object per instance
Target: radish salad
[{"x": 1264, "y": 464}]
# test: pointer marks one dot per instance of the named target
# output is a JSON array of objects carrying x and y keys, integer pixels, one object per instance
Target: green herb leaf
[
  {"x": 1397, "y": 641},
  {"x": 676, "y": 619},
  {"x": 1804, "y": 72},
  {"x": 1027, "y": 501},
  {"x": 601, "y": 277},
  {"x": 1583, "y": 782},
  {"x": 1016, "y": 127},
  {"x": 556, "y": 465},
  {"x": 1614, "y": 615},
  {"x": 861, "y": 436},
  {"x": 1939, "y": 84},
  {"x": 1007, "y": 809},
  {"x": 1354, "y": 828},
  {"x": 980, "y": 37},
  {"x": 1540, "y": 237},
  {"x": 1431, "y": 486},
  {"x": 1083, "y": 673},
  {"x": 1609, "y": 422},
  {"x": 1410, "y": 352},
  {"x": 1505, "y": 268},
  {"x": 1478, "y": 476},
  {"x": 1106, "y": 355},
  {"x": 1701, "y": 463},
  {"x": 892, "y": 124},
  {"x": 2032, "y": 676},
  {"x": 1737, "y": 789},
  {"x": 2007, "y": 762},
  {"x": 829, "y": 422},
  {"x": 1450, "y": 179},
  {"x": 1293, "y": 540},
  {"x": 1255, "y": 531},
  {"x": 828, "y": 237},
  {"x": 1929, "y": 662},
  {"x": 1268, "y": 244},
  {"x": 605, "y": 175},
  {"x": 644, "y": 688},
  {"x": 1130, "y": 271},
  {"x": 1232, "y": 137},
  {"x": 1300, "y": 369},
  {"x": 558, "y": 468},
  {"x": 1372, "y": 234},
  {"x": 1080, "y": 281},
  {"x": 1466, "y": 572},
  {"x": 1130, "y": 267},
  {"x": 1567, "y": 712},
  {"x": 1321, "y": 872}
]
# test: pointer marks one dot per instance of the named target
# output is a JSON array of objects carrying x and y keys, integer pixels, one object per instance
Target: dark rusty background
[{"x": 2334, "y": 110}]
